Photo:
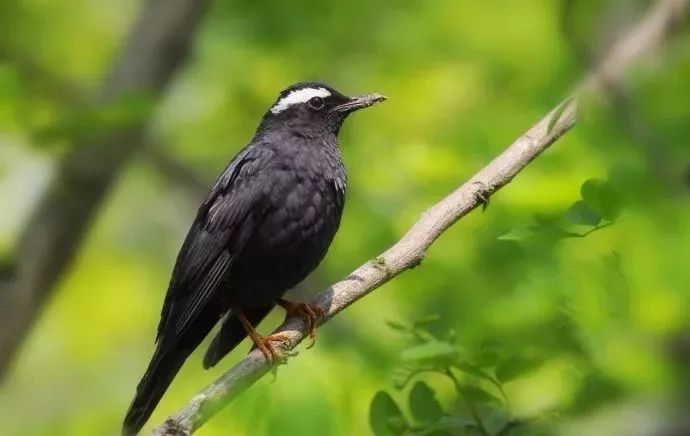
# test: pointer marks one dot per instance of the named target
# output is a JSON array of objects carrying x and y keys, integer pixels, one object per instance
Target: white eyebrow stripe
[{"x": 299, "y": 96}]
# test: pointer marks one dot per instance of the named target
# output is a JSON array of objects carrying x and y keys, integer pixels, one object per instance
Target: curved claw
[
  {"x": 310, "y": 312},
  {"x": 265, "y": 345}
]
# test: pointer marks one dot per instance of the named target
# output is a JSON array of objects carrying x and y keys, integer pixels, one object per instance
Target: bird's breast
[
  {"x": 304, "y": 212},
  {"x": 301, "y": 218}
]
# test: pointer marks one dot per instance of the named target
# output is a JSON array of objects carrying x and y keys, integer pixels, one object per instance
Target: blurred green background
[{"x": 605, "y": 317}]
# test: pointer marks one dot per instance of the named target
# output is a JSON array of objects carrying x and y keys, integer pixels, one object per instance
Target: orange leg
[
  {"x": 265, "y": 345},
  {"x": 310, "y": 312}
]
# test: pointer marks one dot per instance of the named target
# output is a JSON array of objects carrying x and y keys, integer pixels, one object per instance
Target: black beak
[{"x": 357, "y": 103}]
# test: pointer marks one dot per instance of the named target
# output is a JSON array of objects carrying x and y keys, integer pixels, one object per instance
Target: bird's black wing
[{"x": 222, "y": 226}]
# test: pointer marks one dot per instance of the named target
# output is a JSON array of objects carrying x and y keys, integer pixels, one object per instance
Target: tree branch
[
  {"x": 156, "y": 47},
  {"x": 410, "y": 250}
]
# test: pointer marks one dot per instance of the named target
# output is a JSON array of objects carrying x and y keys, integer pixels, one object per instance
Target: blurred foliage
[{"x": 576, "y": 332}]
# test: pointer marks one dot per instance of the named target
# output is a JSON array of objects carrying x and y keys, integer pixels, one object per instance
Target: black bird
[{"x": 266, "y": 224}]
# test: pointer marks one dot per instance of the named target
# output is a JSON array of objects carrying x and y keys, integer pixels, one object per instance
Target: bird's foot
[
  {"x": 310, "y": 312},
  {"x": 267, "y": 347}
]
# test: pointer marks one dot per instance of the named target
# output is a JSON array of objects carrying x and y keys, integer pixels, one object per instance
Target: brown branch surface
[
  {"x": 157, "y": 45},
  {"x": 410, "y": 250}
]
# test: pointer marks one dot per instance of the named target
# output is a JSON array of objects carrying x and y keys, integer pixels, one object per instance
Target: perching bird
[{"x": 266, "y": 224}]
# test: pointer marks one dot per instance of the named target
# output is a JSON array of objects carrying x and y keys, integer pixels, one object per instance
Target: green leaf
[
  {"x": 432, "y": 351},
  {"x": 426, "y": 320},
  {"x": 521, "y": 234},
  {"x": 601, "y": 197},
  {"x": 385, "y": 416},
  {"x": 514, "y": 368},
  {"x": 395, "y": 325},
  {"x": 579, "y": 213},
  {"x": 557, "y": 114},
  {"x": 475, "y": 394},
  {"x": 423, "y": 403}
]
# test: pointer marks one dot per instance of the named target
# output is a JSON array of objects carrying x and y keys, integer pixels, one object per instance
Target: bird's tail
[{"x": 164, "y": 365}]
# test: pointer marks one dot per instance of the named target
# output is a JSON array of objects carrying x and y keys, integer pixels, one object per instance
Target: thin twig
[{"x": 410, "y": 250}]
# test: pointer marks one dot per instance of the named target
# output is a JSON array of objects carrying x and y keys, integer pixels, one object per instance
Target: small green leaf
[
  {"x": 423, "y": 403},
  {"x": 475, "y": 394},
  {"x": 557, "y": 114},
  {"x": 511, "y": 369},
  {"x": 395, "y": 325},
  {"x": 385, "y": 416},
  {"x": 426, "y": 320},
  {"x": 601, "y": 197},
  {"x": 579, "y": 213},
  {"x": 521, "y": 234},
  {"x": 432, "y": 351}
]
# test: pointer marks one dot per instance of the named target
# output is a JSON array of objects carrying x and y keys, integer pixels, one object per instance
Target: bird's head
[{"x": 313, "y": 109}]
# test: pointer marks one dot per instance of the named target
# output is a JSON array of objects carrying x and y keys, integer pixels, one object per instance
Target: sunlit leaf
[{"x": 423, "y": 403}]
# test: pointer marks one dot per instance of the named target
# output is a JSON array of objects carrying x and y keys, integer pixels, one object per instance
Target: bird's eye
[{"x": 316, "y": 102}]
